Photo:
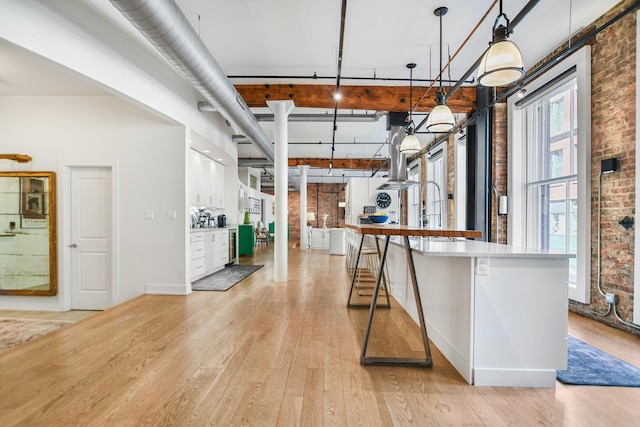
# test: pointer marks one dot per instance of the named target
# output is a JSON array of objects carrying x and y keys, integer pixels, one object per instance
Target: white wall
[
  {"x": 265, "y": 215},
  {"x": 145, "y": 129},
  {"x": 150, "y": 155}
]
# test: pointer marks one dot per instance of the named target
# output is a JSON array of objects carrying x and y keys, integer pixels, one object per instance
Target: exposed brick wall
[
  {"x": 321, "y": 199},
  {"x": 613, "y": 128},
  {"x": 499, "y": 169},
  {"x": 451, "y": 180}
]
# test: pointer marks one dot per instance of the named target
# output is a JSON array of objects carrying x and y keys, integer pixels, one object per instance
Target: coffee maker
[{"x": 222, "y": 220}]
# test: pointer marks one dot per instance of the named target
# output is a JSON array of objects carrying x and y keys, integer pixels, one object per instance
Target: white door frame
[{"x": 64, "y": 230}]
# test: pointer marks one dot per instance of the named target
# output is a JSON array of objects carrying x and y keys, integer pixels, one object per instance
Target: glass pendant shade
[
  {"x": 440, "y": 119},
  {"x": 410, "y": 144},
  {"x": 501, "y": 64}
]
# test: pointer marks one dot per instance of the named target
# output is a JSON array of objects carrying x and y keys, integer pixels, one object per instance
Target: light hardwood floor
[{"x": 276, "y": 354}]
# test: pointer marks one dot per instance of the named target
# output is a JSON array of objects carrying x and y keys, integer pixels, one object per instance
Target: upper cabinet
[
  {"x": 207, "y": 181},
  {"x": 219, "y": 179},
  {"x": 195, "y": 183}
]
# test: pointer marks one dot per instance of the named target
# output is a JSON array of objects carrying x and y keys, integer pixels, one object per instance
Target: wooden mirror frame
[{"x": 41, "y": 215}]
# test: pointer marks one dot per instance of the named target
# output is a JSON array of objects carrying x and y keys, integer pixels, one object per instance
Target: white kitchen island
[{"x": 498, "y": 313}]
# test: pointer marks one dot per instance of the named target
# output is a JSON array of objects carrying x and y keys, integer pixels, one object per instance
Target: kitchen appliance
[
  {"x": 222, "y": 220},
  {"x": 397, "y": 160},
  {"x": 203, "y": 218},
  {"x": 369, "y": 210},
  {"x": 232, "y": 246}
]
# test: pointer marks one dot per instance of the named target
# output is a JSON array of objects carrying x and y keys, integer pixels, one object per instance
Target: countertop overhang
[{"x": 452, "y": 242}]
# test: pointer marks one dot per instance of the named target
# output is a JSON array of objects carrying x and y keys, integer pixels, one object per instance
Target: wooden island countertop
[{"x": 408, "y": 230}]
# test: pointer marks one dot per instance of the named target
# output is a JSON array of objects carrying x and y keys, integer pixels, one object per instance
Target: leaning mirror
[{"x": 27, "y": 233}]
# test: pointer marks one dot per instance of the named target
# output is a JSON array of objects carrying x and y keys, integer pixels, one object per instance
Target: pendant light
[
  {"x": 410, "y": 144},
  {"x": 440, "y": 118},
  {"x": 502, "y": 63}
]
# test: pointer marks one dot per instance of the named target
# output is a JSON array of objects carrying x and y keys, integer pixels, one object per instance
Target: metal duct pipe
[
  {"x": 326, "y": 117},
  {"x": 311, "y": 118},
  {"x": 397, "y": 160},
  {"x": 253, "y": 163},
  {"x": 165, "y": 26}
]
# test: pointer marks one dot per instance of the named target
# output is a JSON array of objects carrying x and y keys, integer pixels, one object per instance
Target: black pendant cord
[
  {"x": 410, "y": 128},
  {"x": 440, "y": 12},
  {"x": 343, "y": 15},
  {"x": 440, "y": 68},
  {"x": 410, "y": 98}
]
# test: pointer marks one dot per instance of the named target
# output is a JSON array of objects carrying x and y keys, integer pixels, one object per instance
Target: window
[
  {"x": 461, "y": 182},
  {"x": 413, "y": 195},
  {"x": 556, "y": 163},
  {"x": 435, "y": 188},
  {"x": 549, "y": 155}
]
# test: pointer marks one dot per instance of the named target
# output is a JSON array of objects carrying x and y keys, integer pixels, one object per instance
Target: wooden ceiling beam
[
  {"x": 376, "y": 98},
  {"x": 366, "y": 164}
]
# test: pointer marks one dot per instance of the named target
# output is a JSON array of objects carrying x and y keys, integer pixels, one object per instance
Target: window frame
[
  {"x": 438, "y": 153},
  {"x": 517, "y": 165},
  {"x": 413, "y": 211}
]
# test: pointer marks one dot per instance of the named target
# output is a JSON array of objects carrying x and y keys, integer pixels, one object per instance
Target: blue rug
[{"x": 589, "y": 366}]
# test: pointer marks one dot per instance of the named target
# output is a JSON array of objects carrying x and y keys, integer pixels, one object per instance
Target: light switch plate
[
  {"x": 171, "y": 215},
  {"x": 148, "y": 215}
]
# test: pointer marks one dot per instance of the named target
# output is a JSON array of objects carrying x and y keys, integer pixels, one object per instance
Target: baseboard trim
[
  {"x": 156, "y": 289},
  {"x": 515, "y": 377}
]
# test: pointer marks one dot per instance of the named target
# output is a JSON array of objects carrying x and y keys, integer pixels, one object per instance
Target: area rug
[
  {"x": 225, "y": 278},
  {"x": 17, "y": 331},
  {"x": 589, "y": 366}
]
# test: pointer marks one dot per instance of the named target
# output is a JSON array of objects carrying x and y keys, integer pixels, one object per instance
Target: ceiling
[
  {"x": 286, "y": 42},
  {"x": 299, "y": 38}
]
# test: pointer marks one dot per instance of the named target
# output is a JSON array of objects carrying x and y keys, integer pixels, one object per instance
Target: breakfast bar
[
  {"x": 497, "y": 313},
  {"x": 405, "y": 232}
]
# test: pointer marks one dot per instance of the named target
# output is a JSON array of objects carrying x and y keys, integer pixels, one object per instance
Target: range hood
[{"x": 397, "y": 160}]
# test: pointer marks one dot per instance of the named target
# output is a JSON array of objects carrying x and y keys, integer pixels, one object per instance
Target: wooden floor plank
[{"x": 266, "y": 354}]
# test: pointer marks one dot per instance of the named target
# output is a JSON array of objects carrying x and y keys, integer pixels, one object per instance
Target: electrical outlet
[
  {"x": 482, "y": 266},
  {"x": 611, "y": 298}
]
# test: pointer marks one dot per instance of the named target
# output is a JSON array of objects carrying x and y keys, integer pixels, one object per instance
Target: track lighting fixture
[
  {"x": 502, "y": 63},
  {"x": 440, "y": 119},
  {"x": 410, "y": 144}
]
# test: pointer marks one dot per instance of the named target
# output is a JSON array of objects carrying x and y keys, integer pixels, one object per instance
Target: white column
[
  {"x": 304, "y": 239},
  {"x": 281, "y": 110}
]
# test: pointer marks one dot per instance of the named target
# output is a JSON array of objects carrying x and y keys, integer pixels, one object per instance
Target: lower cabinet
[
  {"x": 198, "y": 254},
  {"x": 320, "y": 238},
  {"x": 221, "y": 248},
  {"x": 209, "y": 252}
]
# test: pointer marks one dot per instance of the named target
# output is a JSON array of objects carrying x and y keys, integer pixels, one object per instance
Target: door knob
[{"x": 73, "y": 245}]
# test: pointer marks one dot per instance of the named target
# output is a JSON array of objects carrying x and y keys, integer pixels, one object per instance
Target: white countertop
[
  {"x": 474, "y": 248},
  {"x": 205, "y": 229}
]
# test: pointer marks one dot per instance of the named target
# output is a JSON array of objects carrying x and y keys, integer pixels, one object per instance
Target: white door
[{"x": 91, "y": 238}]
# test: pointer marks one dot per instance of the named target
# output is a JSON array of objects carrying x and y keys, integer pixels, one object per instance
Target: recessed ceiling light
[
  {"x": 337, "y": 96},
  {"x": 206, "y": 151}
]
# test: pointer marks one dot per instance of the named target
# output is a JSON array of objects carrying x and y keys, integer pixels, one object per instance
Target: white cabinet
[
  {"x": 198, "y": 258},
  {"x": 320, "y": 238},
  {"x": 195, "y": 184},
  {"x": 219, "y": 185},
  {"x": 208, "y": 186},
  {"x": 209, "y": 252},
  {"x": 221, "y": 248},
  {"x": 207, "y": 181}
]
